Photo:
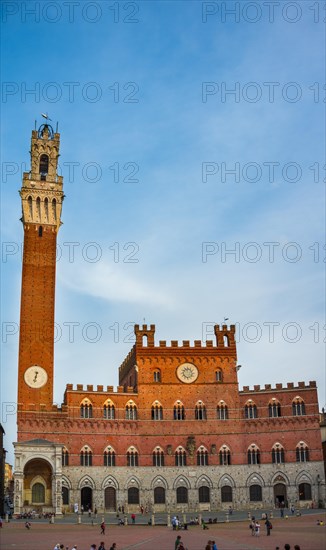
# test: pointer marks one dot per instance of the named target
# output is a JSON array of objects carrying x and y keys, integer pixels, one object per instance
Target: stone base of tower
[{"x": 38, "y": 477}]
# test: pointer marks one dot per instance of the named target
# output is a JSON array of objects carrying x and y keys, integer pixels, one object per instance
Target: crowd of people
[{"x": 101, "y": 546}]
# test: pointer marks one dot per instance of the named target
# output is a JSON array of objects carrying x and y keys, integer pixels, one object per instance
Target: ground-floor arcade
[{"x": 43, "y": 484}]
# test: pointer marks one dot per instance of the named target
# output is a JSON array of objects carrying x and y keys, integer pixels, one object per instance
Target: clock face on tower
[
  {"x": 187, "y": 373},
  {"x": 35, "y": 376}
]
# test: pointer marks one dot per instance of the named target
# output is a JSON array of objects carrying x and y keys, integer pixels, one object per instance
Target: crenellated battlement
[
  {"x": 278, "y": 386},
  {"x": 225, "y": 338},
  {"x": 99, "y": 389}
]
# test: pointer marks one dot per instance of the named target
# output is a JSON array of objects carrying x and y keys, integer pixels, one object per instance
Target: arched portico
[{"x": 38, "y": 477}]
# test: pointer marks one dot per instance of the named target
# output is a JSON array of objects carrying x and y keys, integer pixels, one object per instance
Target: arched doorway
[
  {"x": 86, "y": 498},
  {"x": 110, "y": 499},
  {"x": 280, "y": 497},
  {"x": 37, "y": 493}
]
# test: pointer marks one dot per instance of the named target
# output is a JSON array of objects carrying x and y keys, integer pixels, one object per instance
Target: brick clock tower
[{"x": 42, "y": 197}]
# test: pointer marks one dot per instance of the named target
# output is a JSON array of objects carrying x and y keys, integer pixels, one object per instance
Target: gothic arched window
[
  {"x": 131, "y": 411},
  {"x": 225, "y": 456},
  {"x": 200, "y": 411},
  {"x": 274, "y": 409},
  {"x": 180, "y": 457},
  {"x": 178, "y": 411},
  {"x": 298, "y": 407},
  {"x": 250, "y": 410},
  {"x": 132, "y": 457},
  {"x": 109, "y": 410},
  {"x": 109, "y": 457},
  {"x": 158, "y": 457},
  {"x": 202, "y": 457},
  {"x": 157, "y": 411},
  {"x": 278, "y": 454},
  {"x": 302, "y": 452},
  {"x": 86, "y": 457},
  {"x": 222, "y": 411},
  {"x": 86, "y": 409},
  {"x": 253, "y": 454}
]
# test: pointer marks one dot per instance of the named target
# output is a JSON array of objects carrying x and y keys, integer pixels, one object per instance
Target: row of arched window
[
  {"x": 181, "y": 456},
  {"x": 200, "y": 411},
  {"x": 204, "y": 494},
  {"x": 47, "y": 206}
]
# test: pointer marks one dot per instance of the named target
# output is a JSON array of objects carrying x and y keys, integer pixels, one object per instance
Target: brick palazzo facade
[{"x": 177, "y": 434}]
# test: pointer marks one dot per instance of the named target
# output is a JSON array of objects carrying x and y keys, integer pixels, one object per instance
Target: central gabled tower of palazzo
[{"x": 42, "y": 197}]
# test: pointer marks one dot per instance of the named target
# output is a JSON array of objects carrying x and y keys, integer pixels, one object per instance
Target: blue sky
[{"x": 129, "y": 100}]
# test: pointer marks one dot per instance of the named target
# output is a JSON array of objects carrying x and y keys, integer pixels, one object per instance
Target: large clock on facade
[
  {"x": 187, "y": 373},
  {"x": 35, "y": 376}
]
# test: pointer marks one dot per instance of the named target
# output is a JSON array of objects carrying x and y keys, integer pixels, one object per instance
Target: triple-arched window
[
  {"x": 158, "y": 457},
  {"x": 200, "y": 411},
  {"x": 253, "y": 454},
  {"x": 274, "y": 408},
  {"x": 222, "y": 411},
  {"x": 131, "y": 411},
  {"x": 278, "y": 456},
  {"x": 302, "y": 452},
  {"x": 132, "y": 457},
  {"x": 86, "y": 456},
  {"x": 86, "y": 409},
  {"x": 179, "y": 411},
  {"x": 157, "y": 411},
  {"x": 109, "y": 410},
  {"x": 225, "y": 456},
  {"x": 202, "y": 456},
  {"x": 109, "y": 457},
  {"x": 180, "y": 457},
  {"x": 250, "y": 410},
  {"x": 298, "y": 407}
]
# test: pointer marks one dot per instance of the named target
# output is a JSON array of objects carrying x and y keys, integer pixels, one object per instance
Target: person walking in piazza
[
  {"x": 268, "y": 526},
  {"x": 102, "y": 546},
  {"x": 114, "y": 546},
  {"x": 177, "y": 542},
  {"x": 214, "y": 547},
  {"x": 102, "y": 528},
  {"x": 257, "y": 529},
  {"x": 252, "y": 526}
]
